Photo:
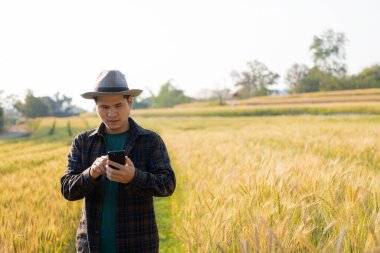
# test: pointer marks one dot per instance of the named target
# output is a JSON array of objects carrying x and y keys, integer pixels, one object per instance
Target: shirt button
[{"x": 97, "y": 232}]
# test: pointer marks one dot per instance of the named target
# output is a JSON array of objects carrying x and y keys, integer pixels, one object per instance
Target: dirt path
[{"x": 13, "y": 132}]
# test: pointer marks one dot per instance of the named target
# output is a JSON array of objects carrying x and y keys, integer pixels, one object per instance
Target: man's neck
[{"x": 117, "y": 131}]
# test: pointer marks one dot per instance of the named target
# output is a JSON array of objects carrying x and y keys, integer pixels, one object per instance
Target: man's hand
[
  {"x": 98, "y": 167},
  {"x": 125, "y": 173}
]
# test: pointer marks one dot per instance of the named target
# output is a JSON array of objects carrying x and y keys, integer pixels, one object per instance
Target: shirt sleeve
[
  {"x": 159, "y": 180},
  {"x": 76, "y": 183}
]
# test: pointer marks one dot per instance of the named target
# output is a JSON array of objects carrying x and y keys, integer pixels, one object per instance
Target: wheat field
[{"x": 244, "y": 184}]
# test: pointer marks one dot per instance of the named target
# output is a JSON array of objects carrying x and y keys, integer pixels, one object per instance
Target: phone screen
[{"x": 117, "y": 156}]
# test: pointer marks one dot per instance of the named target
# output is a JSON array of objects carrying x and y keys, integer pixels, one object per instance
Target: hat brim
[{"x": 131, "y": 92}]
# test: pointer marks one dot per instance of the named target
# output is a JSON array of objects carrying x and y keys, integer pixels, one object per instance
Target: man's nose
[{"x": 111, "y": 112}]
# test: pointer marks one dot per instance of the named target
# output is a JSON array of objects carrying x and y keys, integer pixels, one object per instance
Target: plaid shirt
[{"x": 136, "y": 228}]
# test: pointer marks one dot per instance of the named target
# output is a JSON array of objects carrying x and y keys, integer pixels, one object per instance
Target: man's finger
[
  {"x": 110, "y": 175},
  {"x": 113, "y": 172},
  {"x": 115, "y": 164},
  {"x": 114, "y": 178},
  {"x": 128, "y": 161},
  {"x": 103, "y": 169}
]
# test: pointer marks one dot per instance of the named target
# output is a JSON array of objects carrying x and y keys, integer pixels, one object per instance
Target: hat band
[{"x": 112, "y": 89}]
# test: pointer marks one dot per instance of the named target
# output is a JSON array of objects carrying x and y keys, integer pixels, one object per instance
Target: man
[{"x": 118, "y": 213}]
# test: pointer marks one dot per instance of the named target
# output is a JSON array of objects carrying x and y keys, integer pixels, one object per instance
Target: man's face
[{"x": 114, "y": 112}]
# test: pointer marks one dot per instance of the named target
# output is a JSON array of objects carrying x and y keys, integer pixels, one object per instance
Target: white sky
[{"x": 51, "y": 46}]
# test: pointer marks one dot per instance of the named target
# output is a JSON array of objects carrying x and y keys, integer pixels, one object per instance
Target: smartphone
[{"x": 117, "y": 156}]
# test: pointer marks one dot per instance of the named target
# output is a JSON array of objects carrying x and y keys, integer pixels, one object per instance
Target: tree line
[
  {"x": 168, "y": 96},
  {"x": 329, "y": 71},
  {"x": 56, "y": 106},
  {"x": 60, "y": 105}
]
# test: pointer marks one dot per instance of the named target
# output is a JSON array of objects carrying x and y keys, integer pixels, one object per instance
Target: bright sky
[{"x": 51, "y": 46}]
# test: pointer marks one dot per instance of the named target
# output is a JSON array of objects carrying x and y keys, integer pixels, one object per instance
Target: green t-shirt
[{"x": 108, "y": 230}]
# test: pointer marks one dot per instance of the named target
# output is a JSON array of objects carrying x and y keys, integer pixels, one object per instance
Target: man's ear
[{"x": 130, "y": 101}]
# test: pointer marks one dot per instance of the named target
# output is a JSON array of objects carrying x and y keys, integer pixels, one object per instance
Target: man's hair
[{"x": 125, "y": 96}]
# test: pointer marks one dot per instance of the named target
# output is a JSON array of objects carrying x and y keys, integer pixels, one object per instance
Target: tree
[
  {"x": 9, "y": 114},
  {"x": 329, "y": 52},
  {"x": 220, "y": 95},
  {"x": 8, "y": 101},
  {"x": 369, "y": 77},
  {"x": 295, "y": 74},
  {"x": 311, "y": 82},
  {"x": 59, "y": 105},
  {"x": 33, "y": 106},
  {"x": 255, "y": 81},
  {"x": 1, "y": 118},
  {"x": 141, "y": 103},
  {"x": 317, "y": 80},
  {"x": 146, "y": 101},
  {"x": 1, "y": 114},
  {"x": 170, "y": 96}
]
